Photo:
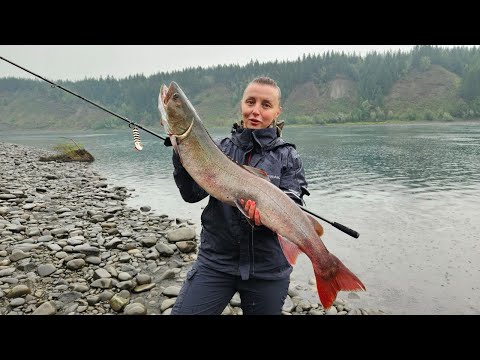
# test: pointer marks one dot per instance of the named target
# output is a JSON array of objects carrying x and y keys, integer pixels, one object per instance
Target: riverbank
[{"x": 69, "y": 244}]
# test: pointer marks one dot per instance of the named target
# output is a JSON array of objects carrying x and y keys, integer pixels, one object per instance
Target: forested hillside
[{"x": 427, "y": 83}]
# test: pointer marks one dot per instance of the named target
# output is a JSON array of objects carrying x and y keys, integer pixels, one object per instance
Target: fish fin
[
  {"x": 290, "y": 250},
  {"x": 242, "y": 210},
  {"x": 255, "y": 171},
  {"x": 336, "y": 278},
  {"x": 316, "y": 225}
]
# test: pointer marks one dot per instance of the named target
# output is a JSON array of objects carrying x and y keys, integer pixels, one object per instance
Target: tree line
[{"x": 374, "y": 75}]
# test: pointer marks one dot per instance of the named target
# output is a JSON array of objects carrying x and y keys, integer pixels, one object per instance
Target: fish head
[{"x": 176, "y": 111}]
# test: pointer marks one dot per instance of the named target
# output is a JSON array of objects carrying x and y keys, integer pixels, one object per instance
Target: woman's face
[{"x": 260, "y": 106}]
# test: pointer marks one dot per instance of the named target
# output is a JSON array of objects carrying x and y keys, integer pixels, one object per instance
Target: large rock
[{"x": 181, "y": 234}]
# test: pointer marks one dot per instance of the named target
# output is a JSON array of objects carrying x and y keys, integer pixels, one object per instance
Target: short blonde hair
[{"x": 265, "y": 80}]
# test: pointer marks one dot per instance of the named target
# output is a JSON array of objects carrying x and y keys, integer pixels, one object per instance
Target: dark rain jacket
[{"x": 228, "y": 243}]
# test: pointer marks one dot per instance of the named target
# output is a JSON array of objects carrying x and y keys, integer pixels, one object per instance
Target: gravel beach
[{"x": 69, "y": 244}]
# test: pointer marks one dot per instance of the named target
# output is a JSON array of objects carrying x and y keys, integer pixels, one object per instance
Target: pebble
[{"x": 69, "y": 244}]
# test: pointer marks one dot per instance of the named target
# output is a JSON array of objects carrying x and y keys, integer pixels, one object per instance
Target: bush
[{"x": 69, "y": 152}]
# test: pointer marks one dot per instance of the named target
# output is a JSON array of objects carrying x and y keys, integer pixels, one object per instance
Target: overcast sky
[{"x": 76, "y": 62}]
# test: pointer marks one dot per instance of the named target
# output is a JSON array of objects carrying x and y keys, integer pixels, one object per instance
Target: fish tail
[{"x": 334, "y": 278}]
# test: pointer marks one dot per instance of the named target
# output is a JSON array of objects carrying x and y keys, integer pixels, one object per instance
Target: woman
[{"x": 236, "y": 253}]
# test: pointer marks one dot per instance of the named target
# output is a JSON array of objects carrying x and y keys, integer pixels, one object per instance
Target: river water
[{"x": 412, "y": 191}]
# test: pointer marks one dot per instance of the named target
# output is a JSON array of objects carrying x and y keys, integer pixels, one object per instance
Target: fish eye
[{"x": 175, "y": 96}]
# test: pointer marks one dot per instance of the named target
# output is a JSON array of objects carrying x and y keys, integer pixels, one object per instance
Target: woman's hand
[{"x": 251, "y": 209}]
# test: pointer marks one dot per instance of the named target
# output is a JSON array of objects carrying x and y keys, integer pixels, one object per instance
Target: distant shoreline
[
  {"x": 388, "y": 122},
  {"x": 287, "y": 125}
]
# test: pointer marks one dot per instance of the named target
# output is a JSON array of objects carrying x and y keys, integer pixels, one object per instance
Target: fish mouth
[
  {"x": 173, "y": 91},
  {"x": 165, "y": 95},
  {"x": 168, "y": 93},
  {"x": 161, "y": 104}
]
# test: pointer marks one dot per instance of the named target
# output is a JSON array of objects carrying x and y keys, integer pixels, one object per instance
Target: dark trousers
[{"x": 208, "y": 292}]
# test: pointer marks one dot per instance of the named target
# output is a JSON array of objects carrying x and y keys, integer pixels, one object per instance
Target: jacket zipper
[
  {"x": 249, "y": 159},
  {"x": 253, "y": 254}
]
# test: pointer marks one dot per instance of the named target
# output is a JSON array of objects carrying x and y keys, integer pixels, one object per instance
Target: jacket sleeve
[
  {"x": 292, "y": 181},
  {"x": 191, "y": 192}
]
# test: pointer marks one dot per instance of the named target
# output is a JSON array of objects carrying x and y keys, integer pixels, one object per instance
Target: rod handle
[{"x": 346, "y": 230}]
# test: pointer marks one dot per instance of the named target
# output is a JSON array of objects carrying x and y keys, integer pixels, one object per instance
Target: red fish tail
[{"x": 333, "y": 278}]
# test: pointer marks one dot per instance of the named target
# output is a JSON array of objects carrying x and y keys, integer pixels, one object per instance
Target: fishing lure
[{"x": 136, "y": 139}]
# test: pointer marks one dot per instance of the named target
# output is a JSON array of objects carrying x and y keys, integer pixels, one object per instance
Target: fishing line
[
  {"x": 138, "y": 145},
  {"x": 131, "y": 124}
]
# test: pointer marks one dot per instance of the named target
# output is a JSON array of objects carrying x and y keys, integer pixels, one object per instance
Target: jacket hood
[{"x": 265, "y": 139}]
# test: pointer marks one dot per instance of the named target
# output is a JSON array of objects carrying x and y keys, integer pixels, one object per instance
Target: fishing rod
[
  {"x": 340, "y": 227},
  {"x": 136, "y": 136},
  {"x": 167, "y": 142}
]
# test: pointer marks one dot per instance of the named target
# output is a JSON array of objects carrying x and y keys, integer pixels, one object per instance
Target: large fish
[{"x": 229, "y": 182}]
